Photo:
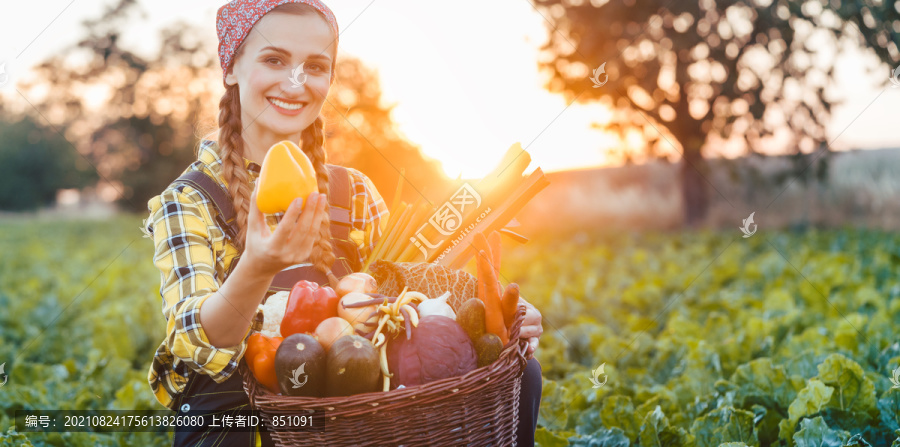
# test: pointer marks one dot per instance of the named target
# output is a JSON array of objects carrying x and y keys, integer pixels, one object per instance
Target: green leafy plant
[
  {"x": 773, "y": 340},
  {"x": 705, "y": 341}
]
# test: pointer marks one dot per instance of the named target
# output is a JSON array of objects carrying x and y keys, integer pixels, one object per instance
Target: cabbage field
[{"x": 782, "y": 338}]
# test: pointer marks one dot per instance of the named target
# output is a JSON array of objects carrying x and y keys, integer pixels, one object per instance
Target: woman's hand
[
  {"x": 291, "y": 243},
  {"x": 531, "y": 327}
]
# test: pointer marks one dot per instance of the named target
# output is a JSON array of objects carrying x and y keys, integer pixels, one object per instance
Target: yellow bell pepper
[{"x": 286, "y": 174}]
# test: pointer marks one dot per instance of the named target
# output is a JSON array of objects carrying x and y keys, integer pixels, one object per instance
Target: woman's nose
[{"x": 297, "y": 79}]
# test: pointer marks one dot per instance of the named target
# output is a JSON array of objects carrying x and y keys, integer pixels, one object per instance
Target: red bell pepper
[{"x": 308, "y": 305}]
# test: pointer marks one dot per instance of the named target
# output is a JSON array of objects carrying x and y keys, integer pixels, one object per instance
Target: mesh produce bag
[{"x": 431, "y": 279}]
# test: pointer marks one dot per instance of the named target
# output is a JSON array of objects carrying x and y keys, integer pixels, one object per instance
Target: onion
[
  {"x": 356, "y": 282},
  {"x": 331, "y": 329},
  {"x": 357, "y": 316}
]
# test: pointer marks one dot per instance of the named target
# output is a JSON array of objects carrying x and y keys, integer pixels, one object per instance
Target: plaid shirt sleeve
[
  {"x": 189, "y": 274},
  {"x": 370, "y": 214}
]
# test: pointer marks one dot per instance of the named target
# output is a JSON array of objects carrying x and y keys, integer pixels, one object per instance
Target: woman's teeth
[{"x": 285, "y": 105}]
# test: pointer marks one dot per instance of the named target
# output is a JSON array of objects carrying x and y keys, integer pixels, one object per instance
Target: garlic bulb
[{"x": 436, "y": 306}]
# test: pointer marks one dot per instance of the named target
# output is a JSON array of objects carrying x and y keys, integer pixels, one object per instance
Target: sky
[{"x": 464, "y": 75}]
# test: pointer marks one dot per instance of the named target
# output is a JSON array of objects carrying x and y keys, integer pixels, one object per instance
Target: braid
[
  {"x": 231, "y": 150},
  {"x": 313, "y": 138}
]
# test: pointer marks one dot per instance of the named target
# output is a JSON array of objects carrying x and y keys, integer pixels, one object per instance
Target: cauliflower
[{"x": 273, "y": 313}]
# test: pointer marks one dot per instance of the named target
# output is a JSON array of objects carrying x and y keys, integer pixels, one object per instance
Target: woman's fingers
[
  {"x": 532, "y": 315},
  {"x": 531, "y": 324},
  {"x": 305, "y": 231},
  {"x": 532, "y": 345},
  {"x": 283, "y": 230},
  {"x": 256, "y": 222},
  {"x": 530, "y": 331}
]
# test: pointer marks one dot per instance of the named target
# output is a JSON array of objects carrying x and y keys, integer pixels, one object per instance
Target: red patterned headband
[{"x": 234, "y": 20}]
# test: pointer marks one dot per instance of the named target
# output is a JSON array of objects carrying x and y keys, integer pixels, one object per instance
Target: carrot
[
  {"x": 492, "y": 281},
  {"x": 493, "y": 307},
  {"x": 479, "y": 267},
  {"x": 510, "y": 304},
  {"x": 481, "y": 289},
  {"x": 494, "y": 242},
  {"x": 492, "y": 304}
]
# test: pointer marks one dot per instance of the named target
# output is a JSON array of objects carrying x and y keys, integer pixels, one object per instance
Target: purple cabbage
[{"x": 439, "y": 349}]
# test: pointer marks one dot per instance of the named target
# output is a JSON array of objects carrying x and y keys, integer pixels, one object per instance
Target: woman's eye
[{"x": 273, "y": 59}]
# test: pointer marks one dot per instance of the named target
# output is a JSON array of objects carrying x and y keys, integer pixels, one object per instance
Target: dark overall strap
[
  {"x": 219, "y": 196},
  {"x": 340, "y": 198}
]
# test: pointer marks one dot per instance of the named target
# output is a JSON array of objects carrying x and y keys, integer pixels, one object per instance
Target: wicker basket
[{"x": 480, "y": 408}]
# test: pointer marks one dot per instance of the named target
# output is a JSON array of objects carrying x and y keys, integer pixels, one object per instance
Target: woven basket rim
[{"x": 514, "y": 353}]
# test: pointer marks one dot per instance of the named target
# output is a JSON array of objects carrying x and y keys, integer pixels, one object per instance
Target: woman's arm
[
  {"x": 227, "y": 314},
  {"x": 185, "y": 255},
  {"x": 208, "y": 322}
]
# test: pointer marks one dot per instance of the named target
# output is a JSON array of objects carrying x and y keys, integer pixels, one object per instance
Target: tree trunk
[{"x": 694, "y": 189}]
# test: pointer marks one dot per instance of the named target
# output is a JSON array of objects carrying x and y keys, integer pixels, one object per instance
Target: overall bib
[{"x": 202, "y": 393}]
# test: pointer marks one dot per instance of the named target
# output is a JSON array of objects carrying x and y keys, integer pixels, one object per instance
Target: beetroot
[{"x": 439, "y": 348}]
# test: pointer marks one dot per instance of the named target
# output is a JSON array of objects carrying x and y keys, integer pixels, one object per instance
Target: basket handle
[
  {"x": 514, "y": 338},
  {"x": 249, "y": 384}
]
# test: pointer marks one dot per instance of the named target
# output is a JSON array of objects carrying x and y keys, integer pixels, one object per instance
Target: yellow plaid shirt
[{"x": 193, "y": 255}]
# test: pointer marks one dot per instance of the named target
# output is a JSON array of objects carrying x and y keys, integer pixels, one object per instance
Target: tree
[
  {"x": 705, "y": 71},
  {"x": 141, "y": 137},
  {"x": 35, "y": 163}
]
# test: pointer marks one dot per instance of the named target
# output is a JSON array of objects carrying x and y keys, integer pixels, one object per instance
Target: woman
[{"x": 210, "y": 300}]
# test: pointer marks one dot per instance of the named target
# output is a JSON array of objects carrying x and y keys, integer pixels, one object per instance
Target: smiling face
[{"x": 272, "y": 107}]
